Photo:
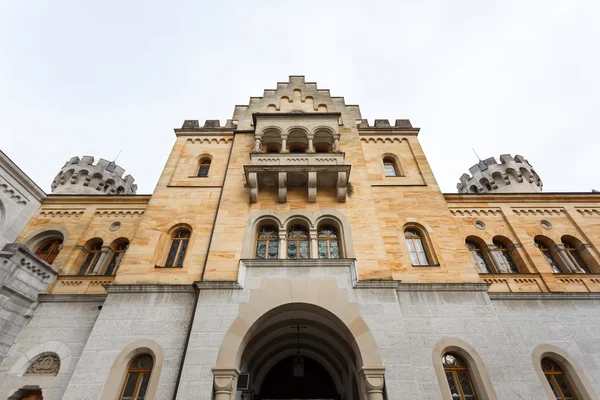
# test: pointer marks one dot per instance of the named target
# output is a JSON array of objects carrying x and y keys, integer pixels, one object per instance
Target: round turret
[
  {"x": 512, "y": 175},
  {"x": 82, "y": 176}
]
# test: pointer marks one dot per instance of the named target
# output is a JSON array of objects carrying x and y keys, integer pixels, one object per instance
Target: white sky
[{"x": 519, "y": 77}]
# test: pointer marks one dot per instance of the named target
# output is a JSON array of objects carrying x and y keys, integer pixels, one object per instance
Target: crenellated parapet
[
  {"x": 83, "y": 176},
  {"x": 511, "y": 175}
]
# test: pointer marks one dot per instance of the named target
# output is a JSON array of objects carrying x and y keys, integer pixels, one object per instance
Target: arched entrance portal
[{"x": 339, "y": 353}]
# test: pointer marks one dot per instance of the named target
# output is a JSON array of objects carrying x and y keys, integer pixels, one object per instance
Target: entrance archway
[{"x": 339, "y": 353}]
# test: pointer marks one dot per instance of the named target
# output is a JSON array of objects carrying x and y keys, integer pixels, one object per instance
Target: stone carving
[{"x": 48, "y": 364}]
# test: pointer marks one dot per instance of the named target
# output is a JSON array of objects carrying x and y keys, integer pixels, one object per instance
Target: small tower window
[
  {"x": 327, "y": 240},
  {"x": 459, "y": 379},
  {"x": 178, "y": 249},
  {"x": 478, "y": 257},
  {"x": 204, "y": 167},
  {"x": 416, "y": 248},
  {"x": 137, "y": 379},
  {"x": 267, "y": 243},
  {"x": 561, "y": 387},
  {"x": 49, "y": 250},
  {"x": 297, "y": 243},
  {"x": 389, "y": 165}
]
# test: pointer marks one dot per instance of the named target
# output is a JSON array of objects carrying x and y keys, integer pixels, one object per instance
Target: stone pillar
[
  {"x": 284, "y": 144},
  {"x": 282, "y": 246},
  {"x": 253, "y": 187},
  {"x": 336, "y": 144},
  {"x": 257, "y": 144},
  {"x": 310, "y": 145},
  {"x": 225, "y": 382},
  {"x": 282, "y": 186},
  {"x": 374, "y": 379},
  {"x": 312, "y": 187},
  {"x": 491, "y": 248},
  {"x": 342, "y": 186},
  {"x": 314, "y": 250},
  {"x": 566, "y": 260},
  {"x": 102, "y": 262}
]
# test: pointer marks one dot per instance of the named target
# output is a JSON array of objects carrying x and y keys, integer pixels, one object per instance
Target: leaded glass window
[
  {"x": 575, "y": 257},
  {"x": 297, "y": 243},
  {"x": 204, "y": 167},
  {"x": 179, "y": 246},
  {"x": 267, "y": 243},
  {"x": 505, "y": 262},
  {"x": 458, "y": 377},
  {"x": 549, "y": 257},
  {"x": 416, "y": 249},
  {"x": 478, "y": 258},
  {"x": 116, "y": 259},
  {"x": 561, "y": 387},
  {"x": 49, "y": 250},
  {"x": 93, "y": 255},
  {"x": 328, "y": 243},
  {"x": 137, "y": 379}
]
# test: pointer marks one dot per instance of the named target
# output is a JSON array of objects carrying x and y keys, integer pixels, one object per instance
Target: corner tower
[
  {"x": 511, "y": 175},
  {"x": 82, "y": 176}
]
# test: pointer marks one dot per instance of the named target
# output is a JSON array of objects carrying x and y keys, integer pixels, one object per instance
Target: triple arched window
[
  {"x": 458, "y": 377},
  {"x": 49, "y": 250},
  {"x": 569, "y": 257},
  {"x": 179, "y": 244},
  {"x": 137, "y": 379},
  {"x": 298, "y": 243},
  {"x": 101, "y": 260}
]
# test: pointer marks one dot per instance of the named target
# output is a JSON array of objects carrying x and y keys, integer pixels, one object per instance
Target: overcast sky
[{"x": 93, "y": 78}]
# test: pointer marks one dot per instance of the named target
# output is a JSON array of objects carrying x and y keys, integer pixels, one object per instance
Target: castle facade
[{"x": 299, "y": 252}]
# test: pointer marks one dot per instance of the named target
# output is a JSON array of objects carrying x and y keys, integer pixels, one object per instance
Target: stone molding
[
  {"x": 588, "y": 211},
  {"x": 224, "y": 383},
  {"x": 119, "y": 213},
  {"x": 149, "y": 288},
  {"x": 470, "y": 212},
  {"x": 374, "y": 379},
  {"x": 544, "y": 296},
  {"x": 71, "y": 298},
  {"x": 377, "y": 284},
  {"x": 529, "y": 212},
  {"x": 443, "y": 287},
  {"x": 210, "y": 140},
  {"x": 309, "y": 262},
  {"x": 217, "y": 285},
  {"x": 50, "y": 213}
]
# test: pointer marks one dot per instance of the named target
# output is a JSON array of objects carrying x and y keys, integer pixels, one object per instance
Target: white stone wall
[
  {"x": 58, "y": 327},
  {"x": 20, "y": 198},
  {"x": 124, "y": 319}
]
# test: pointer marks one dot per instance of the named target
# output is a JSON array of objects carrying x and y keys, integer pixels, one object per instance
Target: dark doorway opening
[{"x": 281, "y": 384}]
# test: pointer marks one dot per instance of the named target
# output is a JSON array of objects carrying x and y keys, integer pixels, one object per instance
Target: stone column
[
  {"x": 491, "y": 248},
  {"x": 566, "y": 260},
  {"x": 282, "y": 186},
  {"x": 374, "y": 380},
  {"x": 314, "y": 250},
  {"x": 312, "y": 187},
  {"x": 282, "y": 246},
  {"x": 253, "y": 187},
  {"x": 102, "y": 262},
  {"x": 257, "y": 144},
  {"x": 310, "y": 144},
  {"x": 225, "y": 382},
  {"x": 284, "y": 144},
  {"x": 336, "y": 144}
]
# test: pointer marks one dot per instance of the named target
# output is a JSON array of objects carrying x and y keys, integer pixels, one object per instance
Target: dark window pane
[
  {"x": 184, "y": 244},
  {"x": 334, "y": 250},
  {"x": 304, "y": 249},
  {"x": 453, "y": 385},
  {"x": 292, "y": 250},
  {"x": 87, "y": 264},
  {"x": 130, "y": 385},
  {"x": 322, "y": 248},
  {"x": 564, "y": 386},
  {"x": 141, "y": 394},
  {"x": 273, "y": 249},
  {"x": 579, "y": 261},
  {"x": 550, "y": 260},
  {"x": 145, "y": 362},
  {"x": 172, "y": 253},
  {"x": 203, "y": 171},
  {"x": 554, "y": 387},
  {"x": 465, "y": 384}
]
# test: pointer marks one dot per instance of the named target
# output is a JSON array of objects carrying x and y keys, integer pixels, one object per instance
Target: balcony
[
  {"x": 84, "y": 284},
  {"x": 272, "y": 159}
]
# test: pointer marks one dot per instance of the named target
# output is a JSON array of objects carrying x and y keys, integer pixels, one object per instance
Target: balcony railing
[
  {"x": 84, "y": 284},
  {"x": 297, "y": 158}
]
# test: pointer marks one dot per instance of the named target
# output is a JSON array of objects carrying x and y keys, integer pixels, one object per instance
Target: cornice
[
  {"x": 545, "y": 296},
  {"x": 149, "y": 288},
  {"x": 443, "y": 287},
  {"x": 71, "y": 298},
  {"x": 388, "y": 131},
  {"x": 573, "y": 197},
  {"x": 80, "y": 199}
]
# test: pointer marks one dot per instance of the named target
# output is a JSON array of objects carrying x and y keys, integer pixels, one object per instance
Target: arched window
[
  {"x": 547, "y": 253},
  {"x": 138, "y": 376},
  {"x": 389, "y": 165},
  {"x": 267, "y": 243},
  {"x": 94, "y": 251},
  {"x": 504, "y": 260},
  {"x": 204, "y": 167},
  {"x": 49, "y": 250},
  {"x": 416, "y": 248},
  {"x": 118, "y": 254},
  {"x": 459, "y": 379},
  {"x": 179, "y": 244},
  {"x": 574, "y": 256},
  {"x": 478, "y": 257},
  {"x": 561, "y": 387},
  {"x": 328, "y": 244},
  {"x": 297, "y": 243}
]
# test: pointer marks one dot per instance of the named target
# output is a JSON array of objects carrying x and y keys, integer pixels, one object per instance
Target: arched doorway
[{"x": 27, "y": 393}]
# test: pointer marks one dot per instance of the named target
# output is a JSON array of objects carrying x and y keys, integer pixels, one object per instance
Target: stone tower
[
  {"x": 82, "y": 176},
  {"x": 511, "y": 175}
]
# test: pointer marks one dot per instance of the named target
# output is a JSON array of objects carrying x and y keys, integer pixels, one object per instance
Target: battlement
[
  {"x": 511, "y": 175},
  {"x": 384, "y": 124},
  {"x": 83, "y": 176}
]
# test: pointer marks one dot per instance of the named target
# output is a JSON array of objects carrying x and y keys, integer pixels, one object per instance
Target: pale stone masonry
[{"x": 299, "y": 252}]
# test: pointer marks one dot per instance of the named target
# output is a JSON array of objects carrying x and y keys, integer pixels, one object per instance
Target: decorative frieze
[
  {"x": 13, "y": 193},
  {"x": 588, "y": 211},
  {"x": 210, "y": 140},
  {"x": 475, "y": 212},
  {"x": 534, "y": 211},
  {"x": 119, "y": 213},
  {"x": 382, "y": 139},
  {"x": 49, "y": 213}
]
